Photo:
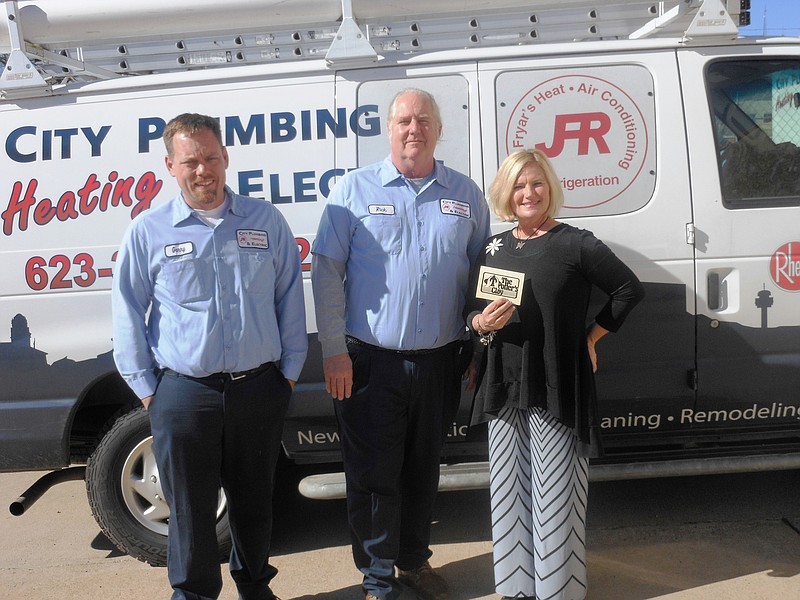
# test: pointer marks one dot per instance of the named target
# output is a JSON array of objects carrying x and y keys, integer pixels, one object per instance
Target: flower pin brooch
[{"x": 493, "y": 246}]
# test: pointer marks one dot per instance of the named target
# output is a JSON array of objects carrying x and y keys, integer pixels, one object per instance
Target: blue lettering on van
[
  {"x": 52, "y": 144},
  {"x": 234, "y": 127},
  {"x": 301, "y": 186},
  {"x": 150, "y": 129},
  {"x": 306, "y": 125},
  {"x": 283, "y": 129}
]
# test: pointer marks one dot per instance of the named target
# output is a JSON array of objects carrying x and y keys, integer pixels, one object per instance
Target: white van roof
[{"x": 51, "y": 41}]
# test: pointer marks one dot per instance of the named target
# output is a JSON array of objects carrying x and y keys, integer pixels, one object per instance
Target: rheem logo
[{"x": 784, "y": 267}]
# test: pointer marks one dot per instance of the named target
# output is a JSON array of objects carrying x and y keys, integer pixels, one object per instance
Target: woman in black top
[{"x": 536, "y": 383}]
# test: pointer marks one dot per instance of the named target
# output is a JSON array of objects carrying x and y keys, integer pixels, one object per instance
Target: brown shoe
[
  {"x": 427, "y": 584},
  {"x": 371, "y": 597}
]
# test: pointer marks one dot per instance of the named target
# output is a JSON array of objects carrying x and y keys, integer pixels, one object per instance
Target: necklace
[{"x": 521, "y": 242}]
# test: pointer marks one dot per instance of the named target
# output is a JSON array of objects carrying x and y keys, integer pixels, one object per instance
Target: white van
[{"x": 676, "y": 141}]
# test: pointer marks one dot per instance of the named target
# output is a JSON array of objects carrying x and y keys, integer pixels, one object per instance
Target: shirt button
[{"x": 422, "y": 248}]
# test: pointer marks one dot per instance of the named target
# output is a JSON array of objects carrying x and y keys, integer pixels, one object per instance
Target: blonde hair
[{"x": 501, "y": 192}]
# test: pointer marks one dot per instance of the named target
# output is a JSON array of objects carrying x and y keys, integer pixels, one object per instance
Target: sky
[{"x": 782, "y": 18}]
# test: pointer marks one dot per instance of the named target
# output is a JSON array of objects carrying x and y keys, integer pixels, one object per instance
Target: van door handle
[{"x": 713, "y": 291}]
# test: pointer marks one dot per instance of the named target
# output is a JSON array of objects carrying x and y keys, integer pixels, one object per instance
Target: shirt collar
[
  {"x": 182, "y": 211},
  {"x": 389, "y": 173}
]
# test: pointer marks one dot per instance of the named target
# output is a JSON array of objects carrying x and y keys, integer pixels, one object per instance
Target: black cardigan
[{"x": 540, "y": 358}]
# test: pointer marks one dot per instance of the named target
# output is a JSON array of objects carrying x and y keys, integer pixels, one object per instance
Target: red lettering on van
[
  {"x": 90, "y": 197},
  {"x": 590, "y": 126}
]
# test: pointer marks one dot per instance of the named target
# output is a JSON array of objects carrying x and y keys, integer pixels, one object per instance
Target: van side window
[
  {"x": 756, "y": 109},
  {"x": 453, "y": 97}
]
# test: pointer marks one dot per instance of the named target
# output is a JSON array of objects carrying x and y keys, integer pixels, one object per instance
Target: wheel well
[{"x": 100, "y": 404}]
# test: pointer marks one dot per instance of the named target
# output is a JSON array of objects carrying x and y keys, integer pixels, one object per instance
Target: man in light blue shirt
[
  {"x": 209, "y": 331},
  {"x": 390, "y": 272}
]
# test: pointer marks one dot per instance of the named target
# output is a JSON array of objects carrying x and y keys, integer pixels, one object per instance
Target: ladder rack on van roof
[{"x": 54, "y": 42}]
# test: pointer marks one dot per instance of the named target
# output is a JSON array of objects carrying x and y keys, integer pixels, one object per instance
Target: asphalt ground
[{"x": 722, "y": 537}]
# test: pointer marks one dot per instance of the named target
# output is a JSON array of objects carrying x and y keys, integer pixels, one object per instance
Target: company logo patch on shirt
[
  {"x": 252, "y": 238},
  {"x": 455, "y": 207},
  {"x": 381, "y": 209},
  {"x": 181, "y": 249}
]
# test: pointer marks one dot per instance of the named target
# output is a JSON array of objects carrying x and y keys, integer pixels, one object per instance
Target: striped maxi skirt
[{"x": 538, "y": 486}]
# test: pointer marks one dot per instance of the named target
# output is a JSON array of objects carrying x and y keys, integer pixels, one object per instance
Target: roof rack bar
[
  {"x": 19, "y": 76},
  {"x": 711, "y": 18},
  {"x": 65, "y": 45},
  {"x": 660, "y": 22},
  {"x": 77, "y": 66},
  {"x": 350, "y": 44}
]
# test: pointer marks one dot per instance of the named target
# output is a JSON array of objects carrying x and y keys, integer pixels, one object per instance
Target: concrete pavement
[{"x": 714, "y": 538}]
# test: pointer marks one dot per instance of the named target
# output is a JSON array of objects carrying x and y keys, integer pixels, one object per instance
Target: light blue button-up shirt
[
  {"x": 221, "y": 299},
  {"x": 407, "y": 253}
]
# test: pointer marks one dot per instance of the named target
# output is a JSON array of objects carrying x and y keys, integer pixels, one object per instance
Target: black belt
[
  {"x": 361, "y": 344},
  {"x": 237, "y": 376}
]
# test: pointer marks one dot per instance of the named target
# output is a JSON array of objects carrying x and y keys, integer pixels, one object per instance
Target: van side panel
[
  {"x": 746, "y": 184},
  {"x": 77, "y": 168},
  {"x": 613, "y": 127},
  {"x": 642, "y": 135}
]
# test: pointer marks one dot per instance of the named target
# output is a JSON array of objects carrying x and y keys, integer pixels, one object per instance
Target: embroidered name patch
[
  {"x": 181, "y": 249},
  {"x": 381, "y": 209},
  {"x": 455, "y": 207},
  {"x": 252, "y": 238}
]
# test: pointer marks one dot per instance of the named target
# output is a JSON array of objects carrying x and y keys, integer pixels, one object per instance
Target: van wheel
[{"x": 125, "y": 493}]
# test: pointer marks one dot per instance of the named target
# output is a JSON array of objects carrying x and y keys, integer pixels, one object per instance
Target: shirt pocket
[
  {"x": 387, "y": 232},
  {"x": 258, "y": 272},
  {"x": 186, "y": 281},
  {"x": 454, "y": 234}
]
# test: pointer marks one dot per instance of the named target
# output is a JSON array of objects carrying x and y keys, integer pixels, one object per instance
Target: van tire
[{"x": 125, "y": 492}]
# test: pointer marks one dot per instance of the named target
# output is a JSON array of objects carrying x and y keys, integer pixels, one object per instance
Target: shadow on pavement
[
  {"x": 301, "y": 524},
  {"x": 651, "y": 538},
  {"x": 653, "y": 564},
  {"x": 705, "y": 537},
  {"x": 347, "y": 593},
  {"x": 467, "y": 579}
]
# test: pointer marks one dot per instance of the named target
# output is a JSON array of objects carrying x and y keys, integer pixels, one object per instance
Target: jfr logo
[{"x": 582, "y": 127}]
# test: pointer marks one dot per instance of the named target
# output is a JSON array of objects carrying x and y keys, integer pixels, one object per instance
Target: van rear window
[{"x": 756, "y": 109}]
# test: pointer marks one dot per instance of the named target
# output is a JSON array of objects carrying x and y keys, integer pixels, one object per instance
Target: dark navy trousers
[
  {"x": 392, "y": 429},
  {"x": 206, "y": 433}
]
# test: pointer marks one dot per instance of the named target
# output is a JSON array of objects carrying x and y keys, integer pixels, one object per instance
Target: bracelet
[{"x": 485, "y": 337}]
